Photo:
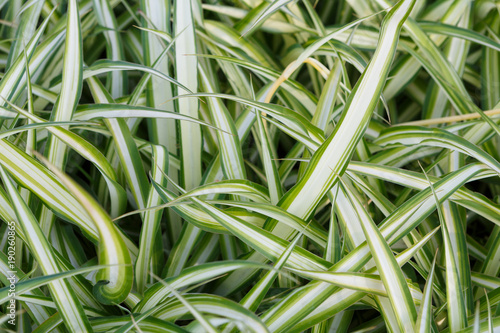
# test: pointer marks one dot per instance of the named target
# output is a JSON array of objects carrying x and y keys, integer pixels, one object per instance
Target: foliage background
[{"x": 248, "y": 165}]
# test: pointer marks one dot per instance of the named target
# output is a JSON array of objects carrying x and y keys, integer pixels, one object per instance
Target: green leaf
[{"x": 114, "y": 283}]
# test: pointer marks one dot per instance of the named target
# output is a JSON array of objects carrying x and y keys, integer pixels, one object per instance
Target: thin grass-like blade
[
  {"x": 189, "y": 276},
  {"x": 71, "y": 89},
  {"x": 330, "y": 159},
  {"x": 457, "y": 311},
  {"x": 391, "y": 275},
  {"x": 425, "y": 313},
  {"x": 412, "y": 135},
  {"x": 214, "y": 305},
  {"x": 64, "y": 297},
  {"x": 229, "y": 143},
  {"x": 152, "y": 219},
  {"x": 114, "y": 283},
  {"x": 28, "y": 285},
  {"x": 189, "y": 137},
  {"x": 187, "y": 74}
]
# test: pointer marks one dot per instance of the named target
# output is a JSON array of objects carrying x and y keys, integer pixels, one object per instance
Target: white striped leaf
[
  {"x": 189, "y": 276},
  {"x": 114, "y": 282},
  {"x": 425, "y": 313},
  {"x": 412, "y": 135},
  {"x": 64, "y": 297}
]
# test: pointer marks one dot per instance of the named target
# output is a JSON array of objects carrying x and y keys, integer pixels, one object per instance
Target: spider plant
[{"x": 250, "y": 166}]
